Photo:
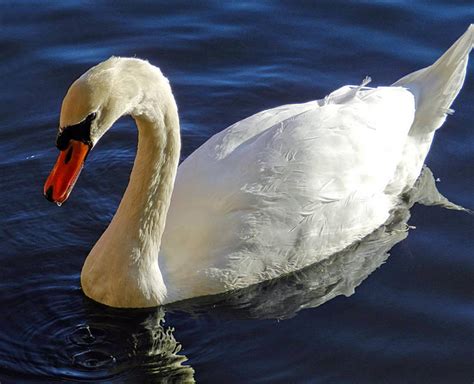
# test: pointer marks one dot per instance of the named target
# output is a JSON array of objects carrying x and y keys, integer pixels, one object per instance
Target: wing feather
[{"x": 288, "y": 186}]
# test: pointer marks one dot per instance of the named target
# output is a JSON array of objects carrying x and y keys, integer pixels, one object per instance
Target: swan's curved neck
[
  {"x": 122, "y": 269},
  {"x": 146, "y": 200}
]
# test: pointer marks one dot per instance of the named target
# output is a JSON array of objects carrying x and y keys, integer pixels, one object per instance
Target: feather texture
[{"x": 271, "y": 194}]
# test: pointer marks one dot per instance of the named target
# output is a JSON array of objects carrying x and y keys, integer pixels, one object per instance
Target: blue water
[{"x": 411, "y": 321}]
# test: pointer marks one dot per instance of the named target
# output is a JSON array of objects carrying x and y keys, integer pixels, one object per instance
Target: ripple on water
[{"x": 61, "y": 334}]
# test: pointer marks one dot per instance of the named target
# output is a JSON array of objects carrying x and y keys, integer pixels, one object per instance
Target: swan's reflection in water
[
  {"x": 149, "y": 354},
  {"x": 68, "y": 337},
  {"x": 163, "y": 361}
]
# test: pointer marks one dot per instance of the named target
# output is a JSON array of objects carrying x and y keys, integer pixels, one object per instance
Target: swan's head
[{"x": 92, "y": 104}]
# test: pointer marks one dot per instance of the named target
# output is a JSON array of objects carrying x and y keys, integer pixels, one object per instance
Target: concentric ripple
[{"x": 66, "y": 336}]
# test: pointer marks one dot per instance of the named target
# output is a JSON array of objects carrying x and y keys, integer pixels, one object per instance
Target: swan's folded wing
[{"x": 289, "y": 186}]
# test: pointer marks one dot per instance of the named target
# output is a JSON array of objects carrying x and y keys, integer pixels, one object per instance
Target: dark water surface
[{"x": 412, "y": 321}]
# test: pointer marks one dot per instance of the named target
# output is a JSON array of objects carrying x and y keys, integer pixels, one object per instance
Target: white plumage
[
  {"x": 290, "y": 186},
  {"x": 271, "y": 194},
  {"x": 287, "y": 187}
]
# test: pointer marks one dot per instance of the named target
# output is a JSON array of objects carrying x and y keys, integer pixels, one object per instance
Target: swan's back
[
  {"x": 287, "y": 187},
  {"x": 290, "y": 186}
]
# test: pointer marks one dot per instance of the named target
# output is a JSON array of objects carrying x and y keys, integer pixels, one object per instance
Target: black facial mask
[{"x": 80, "y": 132}]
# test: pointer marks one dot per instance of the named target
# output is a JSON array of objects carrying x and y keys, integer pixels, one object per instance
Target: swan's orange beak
[{"x": 62, "y": 178}]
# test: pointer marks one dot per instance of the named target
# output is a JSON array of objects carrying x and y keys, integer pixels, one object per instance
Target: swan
[{"x": 271, "y": 194}]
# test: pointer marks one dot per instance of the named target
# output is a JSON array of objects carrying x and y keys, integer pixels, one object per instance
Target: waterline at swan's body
[{"x": 269, "y": 195}]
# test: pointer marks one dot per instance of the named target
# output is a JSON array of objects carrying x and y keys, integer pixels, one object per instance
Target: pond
[{"x": 410, "y": 321}]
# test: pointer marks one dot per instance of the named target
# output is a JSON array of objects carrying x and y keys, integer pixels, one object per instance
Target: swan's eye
[{"x": 80, "y": 132}]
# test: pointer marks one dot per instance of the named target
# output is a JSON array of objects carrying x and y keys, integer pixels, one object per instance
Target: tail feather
[{"x": 435, "y": 87}]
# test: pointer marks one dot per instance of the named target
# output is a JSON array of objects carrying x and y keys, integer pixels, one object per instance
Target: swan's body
[{"x": 269, "y": 195}]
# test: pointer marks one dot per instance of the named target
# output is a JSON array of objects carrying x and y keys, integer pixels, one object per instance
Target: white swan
[{"x": 271, "y": 194}]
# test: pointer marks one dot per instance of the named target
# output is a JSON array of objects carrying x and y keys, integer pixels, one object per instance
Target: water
[{"x": 411, "y": 321}]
